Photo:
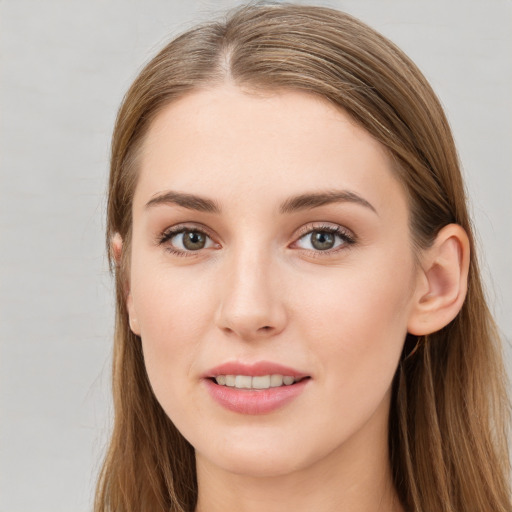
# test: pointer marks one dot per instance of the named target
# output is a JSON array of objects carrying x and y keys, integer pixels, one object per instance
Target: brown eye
[
  {"x": 327, "y": 239},
  {"x": 194, "y": 240},
  {"x": 322, "y": 240},
  {"x": 183, "y": 240}
]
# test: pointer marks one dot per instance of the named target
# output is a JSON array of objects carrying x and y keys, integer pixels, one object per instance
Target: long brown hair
[{"x": 449, "y": 413}]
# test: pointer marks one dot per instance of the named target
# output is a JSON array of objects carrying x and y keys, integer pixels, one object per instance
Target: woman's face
[{"x": 270, "y": 244}]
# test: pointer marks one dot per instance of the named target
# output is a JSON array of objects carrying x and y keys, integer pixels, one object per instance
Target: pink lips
[
  {"x": 247, "y": 401},
  {"x": 255, "y": 370}
]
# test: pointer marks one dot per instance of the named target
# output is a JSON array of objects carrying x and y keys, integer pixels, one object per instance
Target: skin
[{"x": 259, "y": 290}]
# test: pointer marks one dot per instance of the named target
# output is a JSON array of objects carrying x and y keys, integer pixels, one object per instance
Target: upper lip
[{"x": 254, "y": 369}]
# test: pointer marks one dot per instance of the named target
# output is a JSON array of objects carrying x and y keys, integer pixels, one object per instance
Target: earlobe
[
  {"x": 442, "y": 283},
  {"x": 116, "y": 251},
  {"x": 116, "y": 248},
  {"x": 132, "y": 317}
]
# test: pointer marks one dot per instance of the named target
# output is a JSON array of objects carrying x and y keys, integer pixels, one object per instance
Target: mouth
[
  {"x": 259, "y": 388},
  {"x": 256, "y": 382}
]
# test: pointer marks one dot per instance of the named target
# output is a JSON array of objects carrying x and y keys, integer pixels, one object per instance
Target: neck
[{"x": 355, "y": 477}]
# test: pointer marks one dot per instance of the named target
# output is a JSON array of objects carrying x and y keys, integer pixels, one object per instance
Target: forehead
[{"x": 242, "y": 146}]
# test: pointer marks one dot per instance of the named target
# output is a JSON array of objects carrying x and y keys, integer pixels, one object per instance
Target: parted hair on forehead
[{"x": 449, "y": 410}]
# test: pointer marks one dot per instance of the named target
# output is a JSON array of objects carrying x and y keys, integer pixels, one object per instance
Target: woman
[{"x": 300, "y": 318}]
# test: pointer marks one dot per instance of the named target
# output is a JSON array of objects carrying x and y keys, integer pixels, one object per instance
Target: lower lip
[{"x": 245, "y": 401}]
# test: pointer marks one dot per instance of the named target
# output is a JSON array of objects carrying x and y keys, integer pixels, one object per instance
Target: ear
[
  {"x": 116, "y": 250},
  {"x": 132, "y": 316},
  {"x": 442, "y": 282}
]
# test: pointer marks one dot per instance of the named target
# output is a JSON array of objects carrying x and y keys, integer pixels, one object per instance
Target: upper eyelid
[
  {"x": 300, "y": 233},
  {"x": 319, "y": 226},
  {"x": 180, "y": 228}
]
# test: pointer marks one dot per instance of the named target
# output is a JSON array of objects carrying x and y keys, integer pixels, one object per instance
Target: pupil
[
  {"x": 322, "y": 240},
  {"x": 193, "y": 240}
]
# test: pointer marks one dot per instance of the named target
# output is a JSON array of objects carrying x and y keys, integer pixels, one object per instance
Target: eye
[
  {"x": 325, "y": 238},
  {"x": 182, "y": 240}
]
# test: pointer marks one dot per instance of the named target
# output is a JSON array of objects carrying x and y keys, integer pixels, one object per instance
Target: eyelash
[
  {"x": 167, "y": 235},
  {"x": 348, "y": 239}
]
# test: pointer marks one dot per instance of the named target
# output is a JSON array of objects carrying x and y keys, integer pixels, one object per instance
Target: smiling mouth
[{"x": 255, "y": 383}]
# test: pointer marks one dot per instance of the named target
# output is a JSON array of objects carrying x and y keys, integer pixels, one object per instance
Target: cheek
[
  {"x": 174, "y": 313},
  {"x": 356, "y": 321}
]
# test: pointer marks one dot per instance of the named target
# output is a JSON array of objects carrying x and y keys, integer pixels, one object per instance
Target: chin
[
  {"x": 253, "y": 463},
  {"x": 262, "y": 455}
]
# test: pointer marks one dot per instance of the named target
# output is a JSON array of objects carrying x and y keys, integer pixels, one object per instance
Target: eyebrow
[
  {"x": 189, "y": 201},
  {"x": 300, "y": 202},
  {"x": 314, "y": 200}
]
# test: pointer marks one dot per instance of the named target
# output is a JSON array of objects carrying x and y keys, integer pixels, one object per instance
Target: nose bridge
[{"x": 250, "y": 303}]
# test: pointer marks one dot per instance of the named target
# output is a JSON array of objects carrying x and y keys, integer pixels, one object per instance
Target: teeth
[
  {"x": 262, "y": 382},
  {"x": 259, "y": 382},
  {"x": 243, "y": 382},
  {"x": 276, "y": 381}
]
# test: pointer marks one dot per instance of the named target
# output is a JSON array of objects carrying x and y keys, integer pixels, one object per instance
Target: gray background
[{"x": 64, "y": 68}]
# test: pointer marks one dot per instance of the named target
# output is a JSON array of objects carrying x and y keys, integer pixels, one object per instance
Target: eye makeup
[
  {"x": 323, "y": 240},
  {"x": 193, "y": 240}
]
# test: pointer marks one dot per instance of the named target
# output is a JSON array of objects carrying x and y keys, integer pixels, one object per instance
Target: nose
[{"x": 250, "y": 303}]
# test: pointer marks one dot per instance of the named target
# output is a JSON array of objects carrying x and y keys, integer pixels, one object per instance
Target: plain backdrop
[{"x": 65, "y": 66}]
